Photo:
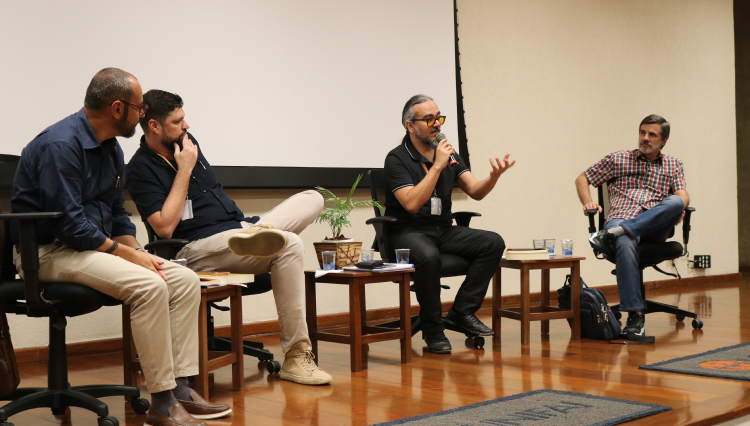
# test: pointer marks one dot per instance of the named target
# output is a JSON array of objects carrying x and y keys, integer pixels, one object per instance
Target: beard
[
  {"x": 425, "y": 139},
  {"x": 123, "y": 127},
  {"x": 169, "y": 143}
]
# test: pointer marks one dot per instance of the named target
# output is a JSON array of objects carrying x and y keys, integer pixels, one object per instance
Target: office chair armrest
[
  {"x": 464, "y": 218},
  {"x": 381, "y": 219},
  {"x": 591, "y": 213},
  {"x": 686, "y": 224},
  {"x": 166, "y": 248},
  {"x": 30, "y": 257}
]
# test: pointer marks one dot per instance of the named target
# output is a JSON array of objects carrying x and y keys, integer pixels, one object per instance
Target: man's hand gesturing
[{"x": 500, "y": 166}]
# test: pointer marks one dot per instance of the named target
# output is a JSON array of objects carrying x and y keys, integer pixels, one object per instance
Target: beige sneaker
[
  {"x": 299, "y": 367},
  {"x": 259, "y": 241}
]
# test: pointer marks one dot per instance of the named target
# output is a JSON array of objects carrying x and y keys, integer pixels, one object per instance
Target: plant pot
[{"x": 347, "y": 252}]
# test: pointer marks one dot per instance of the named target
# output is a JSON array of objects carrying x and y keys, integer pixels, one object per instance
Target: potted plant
[{"x": 336, "y": 215}]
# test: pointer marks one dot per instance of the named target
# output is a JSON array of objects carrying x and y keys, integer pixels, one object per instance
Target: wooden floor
[{"x": 388, "y": 390}]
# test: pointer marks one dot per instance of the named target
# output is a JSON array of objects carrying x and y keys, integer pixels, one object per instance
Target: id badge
[
  {"x": 436, "y": 206},
  {"x": 187, "y": 211}
]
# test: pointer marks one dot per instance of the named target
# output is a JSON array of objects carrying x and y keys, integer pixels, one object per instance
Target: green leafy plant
[{"x": 336, "y": 215}]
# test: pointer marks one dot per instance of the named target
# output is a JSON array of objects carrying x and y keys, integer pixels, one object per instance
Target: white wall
[{"x": 558, "y": 85}]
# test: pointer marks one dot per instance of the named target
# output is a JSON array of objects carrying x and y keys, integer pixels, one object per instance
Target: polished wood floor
[{"x": 388, "y": 390}]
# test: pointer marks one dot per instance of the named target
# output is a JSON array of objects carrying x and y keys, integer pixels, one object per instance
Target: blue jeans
[{"x": 653, "y": 225}]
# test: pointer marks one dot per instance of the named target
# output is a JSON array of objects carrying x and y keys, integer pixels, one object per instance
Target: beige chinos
[
  {"x": 286, "y": 267},
  {"x": 163, "y": 315}
]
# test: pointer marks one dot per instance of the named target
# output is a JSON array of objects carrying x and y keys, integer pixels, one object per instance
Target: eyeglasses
[
  {"x": 141, "y": 108},
  {"x": 431, "y": 120}
]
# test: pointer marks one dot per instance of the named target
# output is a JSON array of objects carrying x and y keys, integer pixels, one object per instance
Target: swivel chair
[
  {"x": 55, "y": 300},
  {"x": 450, "y": 264},
  {"x": 650, "y": 255},
  {"x": 167, "y": 248}
]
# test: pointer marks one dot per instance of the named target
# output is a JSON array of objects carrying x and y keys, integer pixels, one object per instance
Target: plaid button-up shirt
[{"x": 635, "y": 183}]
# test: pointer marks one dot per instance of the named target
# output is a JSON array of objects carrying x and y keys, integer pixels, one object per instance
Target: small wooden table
[
  {"x": 360, "y": 333},
  {"x": 207, "y": 360},
  {"x": 544, "y": 312}
]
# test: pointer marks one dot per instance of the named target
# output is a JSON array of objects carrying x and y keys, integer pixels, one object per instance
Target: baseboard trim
[{"x": 39, "y": 354}]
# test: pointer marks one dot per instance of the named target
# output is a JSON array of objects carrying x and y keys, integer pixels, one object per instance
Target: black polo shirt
[
  {"x": 149, "y": 179},
  {"x": 403, "y": 167}
]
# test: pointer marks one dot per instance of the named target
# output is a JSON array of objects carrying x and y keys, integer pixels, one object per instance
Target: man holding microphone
[{"x": 420, "y": 175}]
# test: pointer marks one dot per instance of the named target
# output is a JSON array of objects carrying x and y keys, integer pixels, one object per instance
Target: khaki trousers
[
  {"x": 163, "y": 315},
  {"x": 286, "y": 267}
]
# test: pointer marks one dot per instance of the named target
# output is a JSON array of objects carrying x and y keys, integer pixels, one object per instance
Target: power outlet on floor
[{"x": 702, "y": 261}]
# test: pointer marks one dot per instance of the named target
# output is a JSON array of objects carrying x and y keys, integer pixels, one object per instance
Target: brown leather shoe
[
  {"x": 202, "y": 409},
  {"x": 177, "y": 417}
]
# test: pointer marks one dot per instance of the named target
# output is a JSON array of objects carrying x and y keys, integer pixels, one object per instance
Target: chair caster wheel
[
  {"x": 273, "y": 367},
  {"x": 108, "y": 421},
  {"x": 475, "y": 342},
  {"x": 679, "y": 317},
  {"x": 60, "y": 411},
  {"x": 697, "y": 324},
  {"x": 6, "y": 424},
  {"x": 140, "y": 405},
  {"x": 618, "y": 314}
]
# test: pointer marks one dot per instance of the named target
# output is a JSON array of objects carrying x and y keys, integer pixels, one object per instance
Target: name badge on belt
[
  {"x": 187, "y": 211},
  {"x": 436, "y": 206}
]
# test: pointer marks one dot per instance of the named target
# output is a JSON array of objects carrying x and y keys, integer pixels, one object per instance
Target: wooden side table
[
  {"x": 207, "y": 360},
  {"x": 360, "y": 333},
  {"x": 544, "y": 312}
]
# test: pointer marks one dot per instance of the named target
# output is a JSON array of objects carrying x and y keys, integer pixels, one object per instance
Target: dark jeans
[{"x": 482, "y": 248}]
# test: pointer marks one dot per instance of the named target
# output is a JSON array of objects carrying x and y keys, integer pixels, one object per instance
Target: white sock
[{"x": 617, "y": 231}]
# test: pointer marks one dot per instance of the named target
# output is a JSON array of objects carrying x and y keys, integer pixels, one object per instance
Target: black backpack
[{"x": 597, "y": 320}]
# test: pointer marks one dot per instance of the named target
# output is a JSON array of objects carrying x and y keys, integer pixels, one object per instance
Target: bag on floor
[
  {"x": 597, "y": 320},
  {"x": 9, "y": 377}
]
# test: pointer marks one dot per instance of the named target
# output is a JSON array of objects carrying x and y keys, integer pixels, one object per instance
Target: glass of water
[
  {"x": 329, "y": 260},
  {"x": 402, "y": 256}
]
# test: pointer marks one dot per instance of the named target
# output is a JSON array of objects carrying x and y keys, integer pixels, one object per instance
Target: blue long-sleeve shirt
[{"x": 66, "y": 169}]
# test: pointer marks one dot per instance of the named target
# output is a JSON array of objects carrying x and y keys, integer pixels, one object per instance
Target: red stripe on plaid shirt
[{"x": 635, "y": 183}]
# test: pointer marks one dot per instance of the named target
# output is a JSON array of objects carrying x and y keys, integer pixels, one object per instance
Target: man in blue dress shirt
[{"x": 76, "y": 167}]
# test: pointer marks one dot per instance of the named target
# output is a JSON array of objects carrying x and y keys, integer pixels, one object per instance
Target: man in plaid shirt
[{"x": 647, "y": 199}]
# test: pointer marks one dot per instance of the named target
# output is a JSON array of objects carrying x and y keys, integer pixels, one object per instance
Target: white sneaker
[
  {"x": 299, "y": 367},
  {"x": 259, "y": 241}
]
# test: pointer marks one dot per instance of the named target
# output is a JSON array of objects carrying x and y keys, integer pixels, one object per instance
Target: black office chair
[
  {"x": 168, "y": 249},
  {"x": 650, "y": 255},
  {"x": 450, "y": 264},
  {"x": 55, "y": 300}
]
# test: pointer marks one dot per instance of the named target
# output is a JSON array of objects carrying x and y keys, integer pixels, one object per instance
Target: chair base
[
  {"x": 416, "y": 325},
  {"x": 651, "y": 307},
  {"x": 249, "y": 348},
  {"x": 85, "y": 397}
]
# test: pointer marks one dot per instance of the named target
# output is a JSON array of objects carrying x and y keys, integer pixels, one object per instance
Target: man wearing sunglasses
[
  {"x": 75, "y": 167},
  {"x": 420, "y": 174},
  {"x": 176, "y": 191}
]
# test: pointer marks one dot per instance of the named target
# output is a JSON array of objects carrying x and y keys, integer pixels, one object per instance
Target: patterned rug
[
  {"x": 539, "y": 408},
  {"x": 732, "y": 362}
]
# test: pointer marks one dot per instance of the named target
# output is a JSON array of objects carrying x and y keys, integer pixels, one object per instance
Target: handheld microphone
[{"x": 441, "y": 137}]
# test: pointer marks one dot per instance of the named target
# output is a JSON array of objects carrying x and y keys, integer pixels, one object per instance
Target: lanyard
[
  {"x": 165, "y": 159},
  {"x": 434, "y": 190}
]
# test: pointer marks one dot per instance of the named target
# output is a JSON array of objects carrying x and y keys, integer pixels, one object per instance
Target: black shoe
[
  {"x": 636, "y": 324},
  {"x": 470, "y": 323},
  {"x": 437, "y": 343},
  {"x": 604, "y": 242}
]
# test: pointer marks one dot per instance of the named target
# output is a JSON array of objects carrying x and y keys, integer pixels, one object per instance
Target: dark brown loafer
[
  {"x": 202, "y": 409},
  {"x": 177, "y": 417}
]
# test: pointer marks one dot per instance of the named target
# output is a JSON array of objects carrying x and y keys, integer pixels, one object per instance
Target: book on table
[
  {"x": 526, "y": 254},
  {"x": 389, "y": 267},
  {"x": 213, "y": 279}
]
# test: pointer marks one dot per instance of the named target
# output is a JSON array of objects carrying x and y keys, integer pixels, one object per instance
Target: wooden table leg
[
  {"x": 525, "y": 306},
  {"x": 405, "y": 318},
  {"x": 575, "y": 302},
  {"x": 311, "y": 312},
  {"x": 355, "y": 325},
  {"x": 545, "y": 298},
  {"x": 238, "y": 369},
  {"x": 496, "y": 300},
  {"x": 201, "y": 380}
]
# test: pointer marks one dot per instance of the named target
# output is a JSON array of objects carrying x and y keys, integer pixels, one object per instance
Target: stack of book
[{"x": 526, "y": 254}]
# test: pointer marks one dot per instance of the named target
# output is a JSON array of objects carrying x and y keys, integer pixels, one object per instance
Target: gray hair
[
  {"x": 107, "y": 86},
  {"x": 408, "y": 112},
  {"x": 661, "y": 121}
]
